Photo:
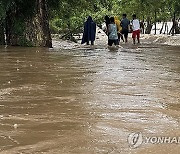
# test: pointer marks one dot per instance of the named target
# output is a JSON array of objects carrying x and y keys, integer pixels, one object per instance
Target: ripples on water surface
[{"x": 88, "y": 101}]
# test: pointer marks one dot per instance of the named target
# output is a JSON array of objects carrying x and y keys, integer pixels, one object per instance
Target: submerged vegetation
[{"x": 30, "y": 23}]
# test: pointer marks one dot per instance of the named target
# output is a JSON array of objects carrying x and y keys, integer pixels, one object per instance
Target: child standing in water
[
  {"x": 112, "y": 33},
  {"x": 136, "y": 29}
]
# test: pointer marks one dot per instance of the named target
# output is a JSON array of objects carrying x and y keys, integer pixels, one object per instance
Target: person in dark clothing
[
  {"x": 107, "y": 21},
  {"x": 125, "y": 26},
  {"x": 89, "y": 31}
]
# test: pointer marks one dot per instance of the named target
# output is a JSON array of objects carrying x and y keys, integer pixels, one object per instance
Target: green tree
[{"x": 26, "y": 22}]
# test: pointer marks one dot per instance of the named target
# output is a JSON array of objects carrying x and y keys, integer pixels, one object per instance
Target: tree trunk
[
  {"x": 170, "y": 32},
  {"x": 162, "y": 28},
  {"x": 32, "y": 31},
  {"x": 174, "y": 20},
  {"x": 176, "y": 28},
  {"x": 143, "y": 26},
  {"x": 149, "y": 26},
  {"x": 8, "y": 26},
  {"x": 165, "y": 28},
  {"x": 42, "y": 14},
  {"x": 155, "y": 15},
  {"x": 2, "y": 37}
]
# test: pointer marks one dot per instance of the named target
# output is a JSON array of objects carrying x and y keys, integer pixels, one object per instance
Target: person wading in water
[
  {"x": 119, "y": 28},
  {"x": 112, "y": 33},
  {"x": 125, "y": 27},
  {"x": 89, "y": 33},
  {"x": 135, "y": 29}
]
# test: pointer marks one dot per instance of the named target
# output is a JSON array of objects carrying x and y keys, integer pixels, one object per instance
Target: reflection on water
[{"x": 87, "y": 101}]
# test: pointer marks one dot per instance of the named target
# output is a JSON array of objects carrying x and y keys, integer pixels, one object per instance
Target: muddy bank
[
  {"x": 101, "y": 41},
  {"x": 161, "y": 39}
]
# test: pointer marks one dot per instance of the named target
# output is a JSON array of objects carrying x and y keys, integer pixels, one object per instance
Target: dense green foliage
[{"x": 71, "y": 14}]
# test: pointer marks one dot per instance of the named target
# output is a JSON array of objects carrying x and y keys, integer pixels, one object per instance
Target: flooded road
[{"x": 88, "y": 101}]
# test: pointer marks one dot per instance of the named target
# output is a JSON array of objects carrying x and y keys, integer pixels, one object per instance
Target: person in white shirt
[{"x": 136, "y": 29}]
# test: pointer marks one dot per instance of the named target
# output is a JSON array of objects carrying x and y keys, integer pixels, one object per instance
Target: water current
[{"x": 88, "y": 100}]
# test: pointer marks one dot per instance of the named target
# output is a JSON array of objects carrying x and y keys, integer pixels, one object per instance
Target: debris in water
[
  {"x": 15, "y": 126},
  {"x": 1, "y": 116}
]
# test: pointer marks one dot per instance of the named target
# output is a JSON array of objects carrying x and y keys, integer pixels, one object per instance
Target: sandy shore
[
  {"x": 161, "y": 39},
  {"x": 101, "y": 41}
]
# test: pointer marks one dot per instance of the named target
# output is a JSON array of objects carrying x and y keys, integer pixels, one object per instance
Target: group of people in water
[{"x": 115, "y": 29}]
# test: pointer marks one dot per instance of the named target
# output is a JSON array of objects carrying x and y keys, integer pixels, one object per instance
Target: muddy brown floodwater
[{"x": 89, "y": 101}]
